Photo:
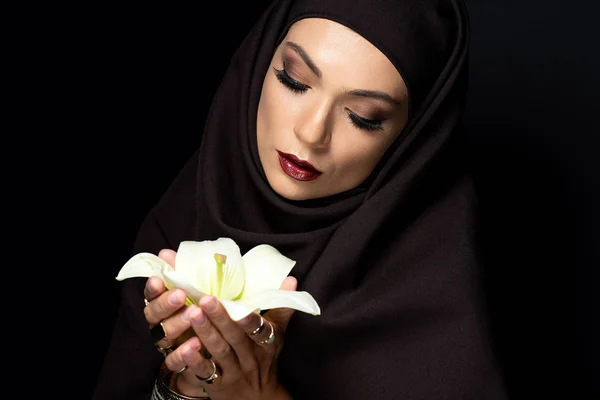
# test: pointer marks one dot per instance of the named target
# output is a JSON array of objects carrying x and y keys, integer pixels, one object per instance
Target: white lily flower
[{"x": 243, "y": 284}]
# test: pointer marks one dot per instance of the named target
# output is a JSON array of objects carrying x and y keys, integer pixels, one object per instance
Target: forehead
[{"x": 343, "y": 54}]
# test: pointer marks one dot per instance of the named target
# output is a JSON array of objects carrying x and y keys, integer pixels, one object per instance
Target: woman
[{"x": 334, "y": 137}]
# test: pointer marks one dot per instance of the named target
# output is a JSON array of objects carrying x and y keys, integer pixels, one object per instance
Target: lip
[{"x": 296, "y": 168}]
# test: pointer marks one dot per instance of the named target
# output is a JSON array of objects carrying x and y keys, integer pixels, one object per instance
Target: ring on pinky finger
[
  {"x": 271, "y": 338},
  {"x": 259, "y": 329}
]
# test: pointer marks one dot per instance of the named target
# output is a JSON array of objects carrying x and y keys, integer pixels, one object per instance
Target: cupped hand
[
  {"x": 204, "y": 343},
  {"x": 166, "y": 308},
  {"x": 240, "y": 356}
]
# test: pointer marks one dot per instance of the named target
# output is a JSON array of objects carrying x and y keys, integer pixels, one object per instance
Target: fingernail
[
  {"x": 188, "y": 357},
  {"x": 149, "y": 288},
  {"x": 189, "y": 353},
  {"x": 211, "y": 305},
  {"x": 175, "y": 297},
  {"x": 185, "y": 315},
  {"x": 198, "y": 318}
]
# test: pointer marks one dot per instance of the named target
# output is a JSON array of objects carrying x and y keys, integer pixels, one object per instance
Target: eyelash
[
  {"x": 363, "y": 123},
  {"x": 298, "y": 87},
  {"x": 289, "y": 82}
]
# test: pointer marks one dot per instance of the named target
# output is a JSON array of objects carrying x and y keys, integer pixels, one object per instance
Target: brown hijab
[{"x": 392, "y": 263}]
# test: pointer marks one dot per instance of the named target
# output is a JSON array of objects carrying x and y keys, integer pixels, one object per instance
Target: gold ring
[
  {"x": 271, "y": 338},
  {"x": 165, "y": 351},
  {"x": 260, "y": 327},
  {"x": 213, "y": 377},
  {"x": 181, "y": 370}
]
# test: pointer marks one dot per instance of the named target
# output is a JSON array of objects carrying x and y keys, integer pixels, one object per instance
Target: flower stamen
[{"x": 220, "y": 259}]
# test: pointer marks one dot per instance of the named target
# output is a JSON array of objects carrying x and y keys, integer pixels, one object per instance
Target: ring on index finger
[{"x": 158, "y": 333}]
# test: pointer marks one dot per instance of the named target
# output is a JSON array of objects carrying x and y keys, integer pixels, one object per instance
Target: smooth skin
[
  {"x": 341, "y": 115},
  {"x": 329, "y": 97},
  {"x": 249, "y": 368}
]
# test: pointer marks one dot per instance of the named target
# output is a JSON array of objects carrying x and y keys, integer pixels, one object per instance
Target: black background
[{"x": 109, "y": 101}]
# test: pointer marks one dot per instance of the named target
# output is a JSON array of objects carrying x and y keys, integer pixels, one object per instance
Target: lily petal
[
  {"x": 228, "y": 247},
  {"x": 265, "y": 268},
  {"x": 301, "y": 301},
  {"x": 194, "y": 263},
  {"x": 143, "y": 265},
  {"x": 237, "y": 309},
  {"x": 175, "y": 279},
  {"x": 229, "y": 279}
]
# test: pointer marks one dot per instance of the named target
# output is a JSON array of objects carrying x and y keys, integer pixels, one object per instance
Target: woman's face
[{"x": 330, "y": 99}]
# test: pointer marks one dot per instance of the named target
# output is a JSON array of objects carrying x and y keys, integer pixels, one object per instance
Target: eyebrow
[
  {"x": 298, "y": 49},
  {"x": 375, "y": 94},
  {"x": 356, "y": 92}
]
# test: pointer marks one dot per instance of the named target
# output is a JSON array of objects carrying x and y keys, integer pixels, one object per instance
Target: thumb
[
  {"x": 289, "y": 283},
  {"x": 282, "y": 316},
  {"x": 168, "y": 255}
]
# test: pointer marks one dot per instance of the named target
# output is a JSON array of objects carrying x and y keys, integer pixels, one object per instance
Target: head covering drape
[{"x": 392, "y": 263}]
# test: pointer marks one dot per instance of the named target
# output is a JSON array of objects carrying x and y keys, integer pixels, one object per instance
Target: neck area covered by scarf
[{"x": 393, "y": 263}]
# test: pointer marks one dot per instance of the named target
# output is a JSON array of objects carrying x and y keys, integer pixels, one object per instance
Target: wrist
[
  {"x": 167, "y": 387},
  {"x": 180, "y": 385}
]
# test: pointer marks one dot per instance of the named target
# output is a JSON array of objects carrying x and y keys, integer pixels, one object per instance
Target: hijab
[{"x": 392, "y": 263}]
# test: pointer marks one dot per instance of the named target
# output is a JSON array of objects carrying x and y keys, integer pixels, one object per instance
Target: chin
[{"x": 291, "y": 190}]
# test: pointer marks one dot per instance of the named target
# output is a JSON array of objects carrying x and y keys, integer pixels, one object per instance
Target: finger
[
  {"x": 289, "y": 283},
  {"x": 154, "y": 287},
  {"x": 199, "y": 368},
  {"x": 174, "y": 330},
  {"x": 164, "y": 306},
  {"x": 229, "y": 329},
  {"x": 260, "y": 330},
  {"x": 175, "y": 361},
  {"x": 281, "y": 316},
  {"x": 252, "y": 324},
  {"x": 168, "y": 255},
  {"x": 226, "y": 342}
]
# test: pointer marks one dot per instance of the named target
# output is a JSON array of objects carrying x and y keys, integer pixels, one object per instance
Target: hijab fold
[{"x": 392, "y": 263}]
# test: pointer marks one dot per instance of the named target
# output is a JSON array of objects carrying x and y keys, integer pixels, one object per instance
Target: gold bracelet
[{"x": 162, "y": 391}]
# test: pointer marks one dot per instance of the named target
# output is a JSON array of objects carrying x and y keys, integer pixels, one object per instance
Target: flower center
[{"x": 220, "y": 258}]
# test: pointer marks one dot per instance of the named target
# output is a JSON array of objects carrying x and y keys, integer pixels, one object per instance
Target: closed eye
[
  {"x": 364, "y": 123},
  {"x": 289, "y": 82},
  {"x": 299, "y": 87}
]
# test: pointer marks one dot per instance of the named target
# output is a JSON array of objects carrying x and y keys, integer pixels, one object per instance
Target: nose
[{"x": 313, "y": 126}]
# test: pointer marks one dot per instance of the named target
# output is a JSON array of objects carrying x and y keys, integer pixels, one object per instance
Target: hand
[
  {"x": 246, "y": 362},
  {"x": 166, "y": 307}
]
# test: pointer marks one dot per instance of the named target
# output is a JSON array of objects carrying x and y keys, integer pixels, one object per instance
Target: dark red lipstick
[{"x": 296, "y": 168}]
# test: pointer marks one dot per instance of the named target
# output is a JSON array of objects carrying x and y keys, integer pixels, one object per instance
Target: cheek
[
  {"x": 357, "y": 159},
  {"x": 272, "y": 111}
]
